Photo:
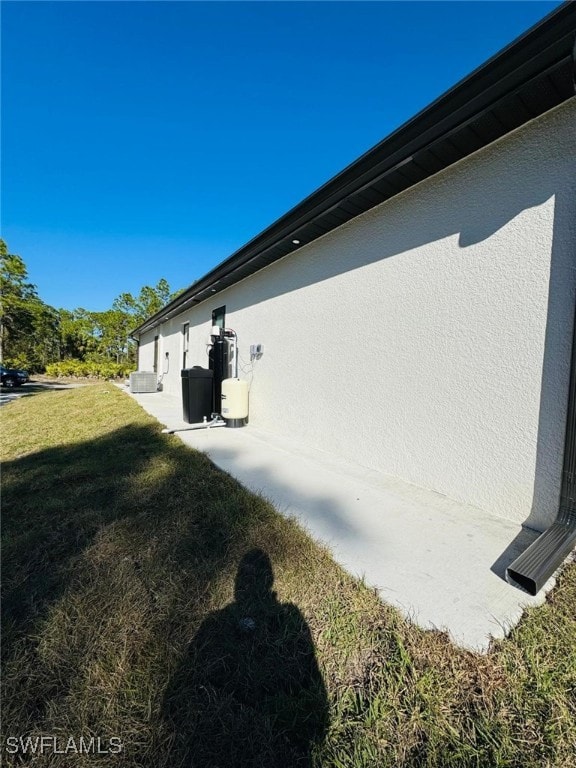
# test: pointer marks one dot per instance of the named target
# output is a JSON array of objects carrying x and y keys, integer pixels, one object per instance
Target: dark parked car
[{"x": 12, "y": 377}]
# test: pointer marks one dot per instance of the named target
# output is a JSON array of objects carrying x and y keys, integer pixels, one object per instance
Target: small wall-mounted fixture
[
  {"x": 296, "y": 242},
  {"x": 256, "y": 351}
]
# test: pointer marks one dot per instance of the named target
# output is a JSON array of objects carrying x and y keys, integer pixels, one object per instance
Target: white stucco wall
[{"x": 430, "y": 337}]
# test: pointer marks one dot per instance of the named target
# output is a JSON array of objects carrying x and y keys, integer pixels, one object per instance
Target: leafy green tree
[
  {"x": 28, "y": 326},
  {"x": 149, "y": 301},
  {"x": 136, "y": 309},
  {"x": 78, "y": 334},
  {"x": 36, "y": 350},
  {"x": 111, "y": 331},
  {"x": 16, "y": 293}
]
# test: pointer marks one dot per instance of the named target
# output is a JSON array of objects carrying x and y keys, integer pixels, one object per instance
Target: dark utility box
[{"x": 197, "y": 393}]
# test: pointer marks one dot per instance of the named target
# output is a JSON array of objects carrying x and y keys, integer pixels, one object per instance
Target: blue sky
[{"x": 143, "y": 140}]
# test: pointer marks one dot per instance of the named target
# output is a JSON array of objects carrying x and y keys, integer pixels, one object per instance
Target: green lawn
[{"x": 153, "y": 603}]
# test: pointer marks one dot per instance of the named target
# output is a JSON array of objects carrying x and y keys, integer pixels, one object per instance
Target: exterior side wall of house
[{"x": 429, "y": 338}]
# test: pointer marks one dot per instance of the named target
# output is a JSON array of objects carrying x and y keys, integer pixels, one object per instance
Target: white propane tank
[{"x": 234, "y": 408}]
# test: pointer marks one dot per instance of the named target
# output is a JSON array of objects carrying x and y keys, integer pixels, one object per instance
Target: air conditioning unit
[{"x": 143, "y": 381}]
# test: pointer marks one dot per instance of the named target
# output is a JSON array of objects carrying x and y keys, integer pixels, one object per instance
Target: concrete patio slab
[{"x": 440, "y": 562}]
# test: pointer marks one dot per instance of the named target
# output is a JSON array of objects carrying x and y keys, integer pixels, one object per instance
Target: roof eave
[{"x": 529, "y": 77}]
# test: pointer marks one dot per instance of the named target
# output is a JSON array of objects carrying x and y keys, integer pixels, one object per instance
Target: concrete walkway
[{"x": 440, "y": 562}]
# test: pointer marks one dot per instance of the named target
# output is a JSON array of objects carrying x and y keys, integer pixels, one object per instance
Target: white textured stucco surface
[{"x": 428, "y": 339}]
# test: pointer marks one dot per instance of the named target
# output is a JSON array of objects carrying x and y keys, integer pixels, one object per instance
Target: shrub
[
  {"x": 21, "y": 362},
  {"x": 88, "y": 369}
]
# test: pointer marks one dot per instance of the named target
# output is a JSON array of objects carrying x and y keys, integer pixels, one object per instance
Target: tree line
[{"x": 38, "y": 337}]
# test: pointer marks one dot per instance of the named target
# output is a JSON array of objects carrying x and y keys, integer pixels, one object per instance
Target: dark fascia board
[{"x": 545, "y": 51}]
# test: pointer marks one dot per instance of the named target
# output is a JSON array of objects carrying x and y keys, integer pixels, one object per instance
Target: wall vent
[{"x": 143, "y": 381}]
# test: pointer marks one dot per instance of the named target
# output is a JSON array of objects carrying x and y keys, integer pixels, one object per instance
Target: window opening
[
  {"x": 156, "y": 354},
  {"x": 185, "y": 344},
  {"x": 219, "y": 317}
]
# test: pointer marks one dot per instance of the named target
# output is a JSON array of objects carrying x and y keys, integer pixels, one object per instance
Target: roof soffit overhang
[{"x": 529, "y": 77}]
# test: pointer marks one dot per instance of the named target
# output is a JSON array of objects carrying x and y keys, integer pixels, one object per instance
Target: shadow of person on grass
[{"x": 248, "y": 691}]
